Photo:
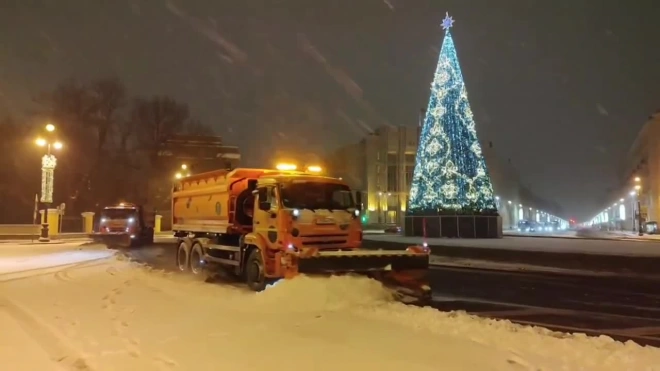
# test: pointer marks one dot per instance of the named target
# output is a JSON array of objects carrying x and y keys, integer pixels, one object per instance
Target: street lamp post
[
  {"x": 640, "y": 227},
  {"x": 633, "y": 211},
  {"x": 48, "y": 164}
]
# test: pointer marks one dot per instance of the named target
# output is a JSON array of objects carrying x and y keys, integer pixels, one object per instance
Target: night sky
[{"x": 560, "y": 87}]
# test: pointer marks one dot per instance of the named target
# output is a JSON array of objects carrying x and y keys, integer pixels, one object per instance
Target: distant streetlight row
[
  {"x": 602, "y": 216},
  {"x": 521, "y": 207}
]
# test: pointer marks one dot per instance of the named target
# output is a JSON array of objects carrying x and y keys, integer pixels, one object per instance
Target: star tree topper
[{"x": 448, "y": 22}]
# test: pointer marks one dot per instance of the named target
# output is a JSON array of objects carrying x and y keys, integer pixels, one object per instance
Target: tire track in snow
[
  {"x": 48, "y": 338},
  {"x": 118, "y": 313}
]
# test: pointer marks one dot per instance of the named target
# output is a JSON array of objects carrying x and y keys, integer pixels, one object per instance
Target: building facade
[
  {"x": 638, "y": 192},
  {"x": 381, "y": 166}
]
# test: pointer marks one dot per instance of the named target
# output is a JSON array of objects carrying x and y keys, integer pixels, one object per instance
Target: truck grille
[{"x": 325, "y": 240}]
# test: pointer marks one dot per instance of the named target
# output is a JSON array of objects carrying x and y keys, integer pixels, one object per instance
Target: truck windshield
[
  {"x": 118, "y": 213},
  {"x": 316, "y": 195}
]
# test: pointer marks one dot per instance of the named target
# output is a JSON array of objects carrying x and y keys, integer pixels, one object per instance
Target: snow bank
[
  {"x": 122, "y": 315},
  {"x": 551, "y": 350},
  {"x": 323, "y": 293}
]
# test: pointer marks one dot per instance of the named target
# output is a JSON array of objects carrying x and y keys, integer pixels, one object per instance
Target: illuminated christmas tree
[{"x": 450, "y": 175}]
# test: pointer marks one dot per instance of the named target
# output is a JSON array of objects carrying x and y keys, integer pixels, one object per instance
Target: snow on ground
[
  {"x": 21, "y": 259},
  {"x": 559, "y": 245},
  {"x": 112, "y": 314}
]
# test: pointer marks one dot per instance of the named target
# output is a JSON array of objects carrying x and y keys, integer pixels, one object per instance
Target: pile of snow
[
  {"x": 116, "y": 314},
  {"x": 324, "y": 293}
]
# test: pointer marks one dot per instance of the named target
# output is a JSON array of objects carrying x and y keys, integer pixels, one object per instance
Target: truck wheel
[
  {"x": 198, "y": 266},
  {"x": 254, "y": 271},
  {"x": 182, "y": 258}
]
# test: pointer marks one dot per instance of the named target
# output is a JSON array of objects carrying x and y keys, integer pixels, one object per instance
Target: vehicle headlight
[
  {"x": 131, "y": 220},
  {"x": 357, "y": 212},
  {"x": 295, "y": 213},
  {"x": 103, "y": 220}
]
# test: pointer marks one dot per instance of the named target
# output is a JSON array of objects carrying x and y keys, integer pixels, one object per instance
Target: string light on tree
[{"x": 450, "y": 174}]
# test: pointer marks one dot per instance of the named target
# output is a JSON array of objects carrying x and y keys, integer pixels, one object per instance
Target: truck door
[{"x": 265, "y": 213}]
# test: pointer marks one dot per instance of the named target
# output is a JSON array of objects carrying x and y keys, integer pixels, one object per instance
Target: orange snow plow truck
[{"x": 264, "y": 225}]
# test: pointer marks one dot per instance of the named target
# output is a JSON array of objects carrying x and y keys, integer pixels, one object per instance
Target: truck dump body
[{"x": 213, "y": 202}]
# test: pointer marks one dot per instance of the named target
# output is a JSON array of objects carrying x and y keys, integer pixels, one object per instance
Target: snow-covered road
[{"x": 107, "y": 313}]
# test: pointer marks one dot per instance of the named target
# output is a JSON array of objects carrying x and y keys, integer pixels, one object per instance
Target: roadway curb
[
  {"x": 484, "y": 265},
  {"x": 36, "y": 242},
  {"x": 620, "y": 238},
  {"x": 620, "y": 264}
]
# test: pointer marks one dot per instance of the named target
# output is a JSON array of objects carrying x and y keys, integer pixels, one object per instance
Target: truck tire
[
  {"x": 198, "y": 267},
  {"x": 182, "y": 257},
  {"x": 254, "y": 271}
]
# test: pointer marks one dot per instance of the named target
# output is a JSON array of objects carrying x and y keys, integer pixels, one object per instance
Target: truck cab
[
  {"x": 301, "y": 212},
  {"x": 124, "y": 225}
]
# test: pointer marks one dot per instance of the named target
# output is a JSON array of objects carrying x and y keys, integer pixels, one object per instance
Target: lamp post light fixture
[
  {"x": 633, "y": 195},
  {"x": 48, "y": 164},
  {"x": 185, "y": 172}
]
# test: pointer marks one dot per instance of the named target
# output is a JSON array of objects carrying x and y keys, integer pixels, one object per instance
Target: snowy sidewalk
[
  {"x": 613, "y": 256},
  {"x": 633, "y": 235},
  {"x": 555, "y": 245}
]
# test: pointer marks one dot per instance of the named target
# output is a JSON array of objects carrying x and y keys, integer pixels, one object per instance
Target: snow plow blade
[
  {"x": 112, "y": 240},
  {"x": 404, "y": 272}
]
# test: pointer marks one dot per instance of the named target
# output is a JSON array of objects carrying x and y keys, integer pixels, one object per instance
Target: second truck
[{"x": 264, "y": 225}]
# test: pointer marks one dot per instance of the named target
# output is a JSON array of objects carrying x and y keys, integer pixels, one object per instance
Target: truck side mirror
[{"x": 358, "y": 200}]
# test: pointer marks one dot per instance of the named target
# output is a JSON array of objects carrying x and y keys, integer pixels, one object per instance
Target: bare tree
[
  {"x": 107, "y": 96},
  {"x": 156, "y": 118},
  {"x": 19, "y": 171}
]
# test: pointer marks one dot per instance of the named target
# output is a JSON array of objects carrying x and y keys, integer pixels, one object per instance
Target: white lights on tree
[
  {"x": 450, "y": 172},
  {"x": 48, "y": 164}
]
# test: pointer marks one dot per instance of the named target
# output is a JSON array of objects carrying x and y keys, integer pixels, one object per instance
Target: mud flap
[{"x": 404, "y": 273}]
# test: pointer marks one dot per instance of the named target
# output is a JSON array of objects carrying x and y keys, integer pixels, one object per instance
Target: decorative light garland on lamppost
[{"x": 48, "y": 165}]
